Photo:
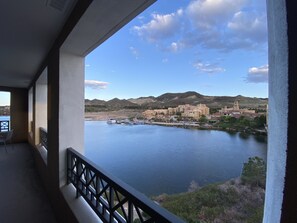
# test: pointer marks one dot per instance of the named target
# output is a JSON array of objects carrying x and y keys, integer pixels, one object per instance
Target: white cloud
[
  {"x": 208, "y": 67},
  {"x": 160, "y": 27},
  {"x": 96, "y": 84},
  {"x": 223, "y": 25},
  {"x": 206, "y": 13},
  {"x": 134, "y": 51},
  {"x": 258, "y": 74},
  {"x": 176, "y": 46},
  {"x": 250, "y": 25},
  {"x": 87, "y": 65}
]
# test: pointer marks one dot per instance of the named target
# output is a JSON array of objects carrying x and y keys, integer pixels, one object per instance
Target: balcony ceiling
[{"x": 29, "y": 29}]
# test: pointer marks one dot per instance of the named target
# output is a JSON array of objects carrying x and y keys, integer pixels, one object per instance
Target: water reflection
[{"x": 244, "y": 136}]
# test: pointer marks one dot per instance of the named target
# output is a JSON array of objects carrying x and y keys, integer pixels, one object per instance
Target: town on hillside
[
  {"x": 191, "y": 112},
  {"x": 4, "y": 110},
  {"x": 199, "y": 116}
]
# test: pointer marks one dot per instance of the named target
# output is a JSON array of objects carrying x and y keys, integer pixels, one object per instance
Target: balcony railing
[
  {"x": 112, "y": 199},
  {"x": 4, "y": 126},
  {"x": 43, "y": 137}
]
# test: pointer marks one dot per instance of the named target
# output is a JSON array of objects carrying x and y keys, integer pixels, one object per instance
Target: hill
[{"x": 174, "y": 99}]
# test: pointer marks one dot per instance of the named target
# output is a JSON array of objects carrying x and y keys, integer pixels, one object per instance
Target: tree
[
  {"x": 260, "y": 121},
  {"x": 254, "y": 172},
  {"x": 203, "y": 119}
]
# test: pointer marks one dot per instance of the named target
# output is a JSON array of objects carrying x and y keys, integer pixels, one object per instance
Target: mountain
[
  {"x": 95, "y": 102},
  {"x": 173, "y": 100},
  {"x": 113, "y": 104},
  {"x": 118, "y": 103},
  {"x": 143, "y": 100},
  {"x": 190, "y": 95}
]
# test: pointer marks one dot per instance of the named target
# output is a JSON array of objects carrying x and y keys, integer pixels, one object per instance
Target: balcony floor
[{"x": 23, "y": 197}]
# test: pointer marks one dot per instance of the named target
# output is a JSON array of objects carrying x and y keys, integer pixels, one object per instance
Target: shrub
[{"x": 254, "y": 172}]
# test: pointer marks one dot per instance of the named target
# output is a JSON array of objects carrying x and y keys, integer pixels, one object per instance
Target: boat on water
[
  {"x": 125, "y": 122},
  {"x": 111, "y": 121}
]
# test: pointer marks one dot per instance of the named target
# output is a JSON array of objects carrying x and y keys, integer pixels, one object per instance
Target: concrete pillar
[
  {"x": 282, "y": 73},
  {"x": 40, "y": 105},
  {"x": 65, "y": 111},
  {"x": 71, "y": 115}
]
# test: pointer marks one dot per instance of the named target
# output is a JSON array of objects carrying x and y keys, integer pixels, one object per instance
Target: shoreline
[{"x": 96, "y": 117}]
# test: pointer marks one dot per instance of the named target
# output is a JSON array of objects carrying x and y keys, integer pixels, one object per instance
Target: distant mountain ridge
[{"x": 174, "y": 99}]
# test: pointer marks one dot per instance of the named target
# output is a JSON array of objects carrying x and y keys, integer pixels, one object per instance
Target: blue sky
[
  {"x": 4, "y": 98},
  {"x": 214, "y": 47}
]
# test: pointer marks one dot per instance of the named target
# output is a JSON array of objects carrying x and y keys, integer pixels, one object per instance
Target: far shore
[
  {"x": 126, "y": 114},
  {"x": 106, "y": 115}
]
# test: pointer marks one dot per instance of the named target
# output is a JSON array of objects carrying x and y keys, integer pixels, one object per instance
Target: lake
[
  {"x": 157, "y": 159},
  {"x": 4, "y": 118}
]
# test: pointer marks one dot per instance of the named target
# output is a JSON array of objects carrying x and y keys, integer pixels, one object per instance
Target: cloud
[
  {"x": 208, "y": 68},
  {"x": 160, "y": 27},
  {"x": 134, "y": 51},
  {"x": 258, "y": 74},
  {"x": 87, "y": 65},
  {"x": 250, "y": 25},
  {"x": 176, "y": 46},
  {"x": 223, "y": 25},
  {"x": 207, "y": 13},
  {"x": 96, "y": 84}
]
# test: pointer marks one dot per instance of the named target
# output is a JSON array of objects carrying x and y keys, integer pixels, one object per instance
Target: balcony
[
  {"x": 109, "y": 198},
  {"x": 23, "y": 196},
  {"x": 67, "y": 37}
]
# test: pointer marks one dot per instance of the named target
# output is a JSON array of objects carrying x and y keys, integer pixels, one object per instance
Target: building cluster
[
  {"x": 184, "y": 111},
  {"x": 4, "y": 110},
  {"x": 236, "y": 111},
  {"x": 196, "y": 112}
]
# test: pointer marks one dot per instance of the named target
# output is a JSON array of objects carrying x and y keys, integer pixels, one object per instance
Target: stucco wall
[
  {"x": 278, "y": 109},
  {"x": 71, "y": 108}
]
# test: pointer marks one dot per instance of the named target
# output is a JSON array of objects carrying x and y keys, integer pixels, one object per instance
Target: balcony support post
[{"x": 65, "y": 111}]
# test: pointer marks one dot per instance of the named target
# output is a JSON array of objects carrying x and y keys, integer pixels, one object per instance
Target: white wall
[
  {"x": 278, "y": 109},
  {"x": 30, "y": 113},
  {"x": 71, "y": 108},
  {"x": 40, "y": 104}
]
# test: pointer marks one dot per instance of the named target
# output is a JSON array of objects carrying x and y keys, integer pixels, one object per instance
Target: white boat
[{"x": 111, "y": 121}]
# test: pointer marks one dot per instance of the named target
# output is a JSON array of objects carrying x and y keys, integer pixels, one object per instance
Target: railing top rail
[
  {"x": 43, "y": 137},
  {"x": 135, "y": 196},
  {"x": 43, "y": 129}
]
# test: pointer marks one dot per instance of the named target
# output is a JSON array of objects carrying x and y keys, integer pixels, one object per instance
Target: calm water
[
  {"x": 156, "y": 159},
  {"x": 4, "y": 118}
]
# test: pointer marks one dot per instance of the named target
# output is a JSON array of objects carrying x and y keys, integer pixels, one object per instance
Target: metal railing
[
  {"x": 43, "y": 137},
  {"x": 4, "y": 126},
  {"x": 111, "y": 199}
]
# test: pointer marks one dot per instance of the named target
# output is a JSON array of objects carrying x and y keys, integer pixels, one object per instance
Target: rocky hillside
[{"x": 173, "y": 100}]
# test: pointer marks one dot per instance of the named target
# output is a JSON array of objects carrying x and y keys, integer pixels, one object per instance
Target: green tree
[
  {"x": 203, "y": 119},
  {"x": 260, "y": 121},
  {"x": 254, "y": 172}
]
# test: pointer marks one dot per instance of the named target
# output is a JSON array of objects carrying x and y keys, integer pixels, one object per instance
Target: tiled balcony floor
[{"x": 22, "y": 195}]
